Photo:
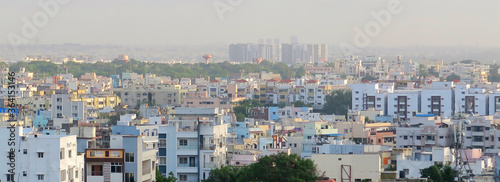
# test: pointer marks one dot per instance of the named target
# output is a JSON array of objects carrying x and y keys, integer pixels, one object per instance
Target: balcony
[
  {"x": 187, "y": 147},
  {"x": 186, "y": 165},
  {"x": 210, "y": 147},
  {"x": 210, "y": 165},
  {"x": 430, "y": 142},
  {"x": 186, "y": 168}
]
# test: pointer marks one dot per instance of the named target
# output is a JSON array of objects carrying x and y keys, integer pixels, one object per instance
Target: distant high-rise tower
[{"x": 238, "y": 52}]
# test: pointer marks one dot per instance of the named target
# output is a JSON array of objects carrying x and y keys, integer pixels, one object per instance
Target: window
[
  {"x": 116, "y": 167},
  {"x": 183, "y": 177},
  {"x": 419, "y": 137},
  {"x": 129, "y": 177},
  {"x": 25, "y": 151},
  {"x": 40, "y": 176},
  {"x": 129, "y": 157},
  {"x": 407, "y": 171},
  {"x": 183, "y": 160},
  {"x": 163, "y": 160},
  {"x": 10, "y": 177},
  {"x": 183, "y": 142},
  {"x": 96, "y": 170},
  {"x": 63, "y": 174},
  {"x": 69, "y": 153},
  {"x": 25, "y": 173},
  {"x": 61, "y": 154},
  {"x": 163, "y": 143},
  {"x": 405, "y": 137},
  {"x": 40, "y": 154}
]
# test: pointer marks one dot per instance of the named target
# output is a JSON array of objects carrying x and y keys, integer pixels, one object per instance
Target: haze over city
[{"x": 451, "y": 26}]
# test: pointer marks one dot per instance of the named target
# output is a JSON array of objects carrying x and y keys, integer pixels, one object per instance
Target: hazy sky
[{"x": 196, "y": 22}]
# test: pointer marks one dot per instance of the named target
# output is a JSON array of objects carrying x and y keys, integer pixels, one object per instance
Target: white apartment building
[
  {"x": 411, "y": 166},
  {"x": 480, "y": 133},
  {"x": 402, "y": 104},
  {"x": 370, "y": 96},
  {"x": 438, "y": 99},
  {"x": 494, "y": 102},
  {"x": 39, "y": 157},
  {"x": 193, "y": 143},
  {"x": 63, "y": 107},
  {"x": 471, "y": 100},
  {"x": 423, "y": 138}
]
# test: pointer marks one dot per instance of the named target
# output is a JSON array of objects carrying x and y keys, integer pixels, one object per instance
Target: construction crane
[{"x": 462, "y": 168}]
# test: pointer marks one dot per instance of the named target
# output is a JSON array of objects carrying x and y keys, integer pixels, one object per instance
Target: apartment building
[
  {"x": 105, "y": 165},
  {"x": 494, "y": 102},
  {"x": 62, "y": 106},
  {"x": 424, "y": 137},
  {"x": 99, "y": 101},
  {"x": 163, "y": 95},
  {"x": 402, "y": 104},
  {"x": 438, "y": 99},
  {"x": 370, "y": 96},
  {"x": 471, "y": 100},
  {"x": 39, "y": 157},
  {"x": 139, "y": 158},
  {"x": 193, "y": 143},
  {"x": 480, "y": 132}
]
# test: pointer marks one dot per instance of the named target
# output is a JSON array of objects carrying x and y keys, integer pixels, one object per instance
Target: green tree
[
  {"x": 368, "y": 78},
  {"x": 224, "y": 174},
  {"x": 432, "y": 71},
  {"x": 301, "y": 104},
  {"x": 279, "y": 167},
  {"x": 244, "y": 108},
  {"x": 452, "y": 77},
  {"x": 493, "y": 75},
  {"x": 161, "y": 178},
  {"x": 338, "y": 102},
  {"x": 439, "y": 173},
  {"x": 422, "y": 71}
]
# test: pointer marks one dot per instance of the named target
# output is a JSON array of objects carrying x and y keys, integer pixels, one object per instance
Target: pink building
[{"x": 242, "y": 160}]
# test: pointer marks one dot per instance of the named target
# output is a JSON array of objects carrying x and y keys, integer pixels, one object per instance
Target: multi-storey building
[
  {"x": 471, "y": 100},
  {"x": 105, "y": 165},
  {"x": 160, "y": 94},
  {"x": 139, "y": 157},
  {"x": 62, "y": 106},
  {"x": 423, "y": 138},
  {"x": 494, "y": 102},
  {"x": 193, "y": 143},
  {"x": 370, "y": 96},
  {"x": 402, "y": 104},
  {"x": 438, "y": 99},
  {"x": 39, "y": 157},
  {"x": 480, "y": 132}
]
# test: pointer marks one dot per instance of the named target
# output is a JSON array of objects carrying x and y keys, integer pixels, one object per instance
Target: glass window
[{"x": 129, "y": 157}]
